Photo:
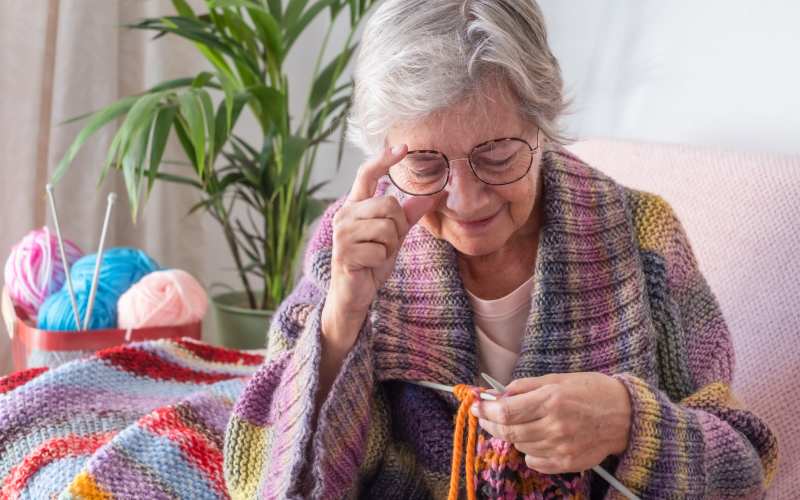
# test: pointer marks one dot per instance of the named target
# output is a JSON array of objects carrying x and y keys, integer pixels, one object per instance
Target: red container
[{"x": 26, "y": 338}]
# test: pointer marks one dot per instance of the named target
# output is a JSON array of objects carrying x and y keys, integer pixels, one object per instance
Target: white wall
[{"x": 712, "y": 72}]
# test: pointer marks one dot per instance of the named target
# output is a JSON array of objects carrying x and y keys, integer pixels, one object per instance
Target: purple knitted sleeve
[{"x": 689, "y": 436}]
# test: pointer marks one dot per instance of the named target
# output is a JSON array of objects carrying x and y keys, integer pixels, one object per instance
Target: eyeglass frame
[{"x": 531, "y": 150}]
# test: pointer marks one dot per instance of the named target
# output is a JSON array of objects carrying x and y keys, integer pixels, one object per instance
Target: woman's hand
[
  {"x": 561, "y": 422},
  {"x": 367, "y": 234}
]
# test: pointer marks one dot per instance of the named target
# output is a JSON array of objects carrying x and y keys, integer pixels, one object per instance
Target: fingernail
[
  {"x": 396, "y": 150},
  {"x": 474, "y": 409}
]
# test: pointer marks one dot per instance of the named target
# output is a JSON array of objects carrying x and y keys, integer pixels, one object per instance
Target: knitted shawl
[{"x": 616, "y": 290}]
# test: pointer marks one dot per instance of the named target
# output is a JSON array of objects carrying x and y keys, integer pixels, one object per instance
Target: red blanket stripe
[
  {"x": 220, "y": 354},
  {"x": 48, "y": 451},
  {"x": 147, "y": 364},
  {"x": 16, "y": 379},
  {"x": 198, "y": 449}
]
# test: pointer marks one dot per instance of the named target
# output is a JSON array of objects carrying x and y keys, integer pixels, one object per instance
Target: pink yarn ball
[
  {"x": 33, "y": 270},
  {"x": 162, "y": 298}
]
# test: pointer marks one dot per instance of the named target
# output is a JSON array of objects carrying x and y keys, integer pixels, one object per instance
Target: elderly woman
[{"x": 472, "y": 242}]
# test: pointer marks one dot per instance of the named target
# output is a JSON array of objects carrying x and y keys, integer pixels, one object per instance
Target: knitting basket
[{"x": 32, "y": 347}]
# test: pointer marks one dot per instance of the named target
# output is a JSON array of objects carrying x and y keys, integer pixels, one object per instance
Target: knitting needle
[
  {"x": 597, "y": 469},
  {"x": 112, "y": 197},
  {"x": 449, "y": 388},
  {"x": 64, "y": 263}
]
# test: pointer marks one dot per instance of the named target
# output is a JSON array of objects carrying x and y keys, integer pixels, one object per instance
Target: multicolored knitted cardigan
[{"x": 617, "y": 290}]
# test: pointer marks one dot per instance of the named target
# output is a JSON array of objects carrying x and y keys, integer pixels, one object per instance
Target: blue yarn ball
[
  {"x": 119, "y": 270},
  {"x": 56, "y": 311}
]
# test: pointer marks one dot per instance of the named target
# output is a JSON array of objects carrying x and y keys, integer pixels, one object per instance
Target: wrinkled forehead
[{"x": 490, "y": 113}]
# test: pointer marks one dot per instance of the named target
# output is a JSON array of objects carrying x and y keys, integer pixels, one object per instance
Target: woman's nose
[{"x": 463, "y": 188}]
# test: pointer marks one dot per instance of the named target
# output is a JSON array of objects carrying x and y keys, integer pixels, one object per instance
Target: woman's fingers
[
  {"x": 384, "y": 207},
  {"x": 383, "y": 231},
  {"x": 535, "y": 431},
  {"x": 516, "y": 409},
  {"x": 368, "y": 254},
  {"x": 370, "y": 173},
  {"x": 528, "y": 384}
]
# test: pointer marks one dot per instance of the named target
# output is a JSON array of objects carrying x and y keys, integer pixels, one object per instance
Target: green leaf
[
  {"x": 168, "y": 85},
  {"x": 163, "y": 123},
  {"x": 294, "y": 30},
  {"x": 327, "y": 78},
  {"x": 192, "y": 113},
  {"x": 186, "y": 142},
  {"x": 182, "y": 7},
  {"x": 190, "y": 29},
  {"x": 319, "y": 119},
  {"x": 132, "y": 161},
  {"x": 141, "y": 115},
  {"x": 315, "y": 207},
  {"x": 230, "y": 100},
  {"x": 293, "y": 151},
  {"x": 235, "y": 3},
  {"x": 241, "y": 30},
  {"x": 293, "y": 11},
  {"x": 241, "y": 142},
  {"x": 200, "y": 204},
  {"x": 177, "y": 179},
  {"x": 97, "y": 121},
  {"x": 201, "y": 79},
  {"x": 230, "y": 179},
  {"x": 210, "y": 121},
  {"x": 269, "y": 30},
  {"x": 275, "y": 9},
  {"x": 271, "y": 102},
  {"x": 174, "y": 84},
  {"x": 225, "y": 118}
]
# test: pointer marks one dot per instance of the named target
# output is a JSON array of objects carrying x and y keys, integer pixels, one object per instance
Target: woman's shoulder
[{"x": 653, "y": 218}]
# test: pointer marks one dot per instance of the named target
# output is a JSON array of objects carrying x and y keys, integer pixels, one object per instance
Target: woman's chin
[{"x": 475, "y": 246}]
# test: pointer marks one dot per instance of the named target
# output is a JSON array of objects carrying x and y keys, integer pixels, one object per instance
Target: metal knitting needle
[
  {"x": 112, "y": 197},
  {"x": 449, "y": 388},
  {"x": 64, "y": 263},
  {"x": 597, "y": 469}
]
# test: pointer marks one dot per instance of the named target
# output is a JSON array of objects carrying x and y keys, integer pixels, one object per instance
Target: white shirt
[{"x": 500, "y": 325}]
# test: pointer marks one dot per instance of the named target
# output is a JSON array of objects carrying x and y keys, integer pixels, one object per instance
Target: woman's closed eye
[
  {"x": 493, "y": 162},
  {"x": 424, "y": 168}
]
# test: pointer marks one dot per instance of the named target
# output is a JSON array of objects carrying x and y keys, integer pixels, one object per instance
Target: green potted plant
[{"x": 246, "y": 43}]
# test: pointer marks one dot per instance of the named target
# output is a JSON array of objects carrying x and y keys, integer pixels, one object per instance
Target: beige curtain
[{"x": 60, "y": 59}]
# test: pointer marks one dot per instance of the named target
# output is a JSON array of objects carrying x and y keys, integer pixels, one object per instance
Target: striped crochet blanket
[{"x": 144, "y": 420}]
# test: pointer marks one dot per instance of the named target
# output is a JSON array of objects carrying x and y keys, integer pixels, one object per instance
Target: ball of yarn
[
  {"x": 120, "y": 269},
  {"x": 56, "y": 312},
  {"x": 34, "y": 271},
  {"x": 162, "y": 298}
]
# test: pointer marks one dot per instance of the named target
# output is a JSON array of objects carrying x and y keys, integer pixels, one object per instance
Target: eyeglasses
[{"x": 425, "y": 172}]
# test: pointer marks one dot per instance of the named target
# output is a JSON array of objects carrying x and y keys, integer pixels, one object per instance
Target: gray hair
[{"x": 421, "y": 56}]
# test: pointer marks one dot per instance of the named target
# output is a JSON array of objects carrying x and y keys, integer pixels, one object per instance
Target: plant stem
[{"x": 224, "y": 219}]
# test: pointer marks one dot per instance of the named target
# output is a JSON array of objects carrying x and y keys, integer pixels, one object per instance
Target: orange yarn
[{"x": 467, "y": 395}]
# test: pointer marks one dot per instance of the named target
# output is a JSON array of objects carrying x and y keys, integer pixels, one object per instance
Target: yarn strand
[{"x": 467, "y": 395}]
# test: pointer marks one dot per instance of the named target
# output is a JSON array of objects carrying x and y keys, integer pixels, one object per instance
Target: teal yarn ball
[
  {"x": 121, "y": 267},
  {"x": 119, "y": 270},
  {"x": 56, "y": 311}
]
